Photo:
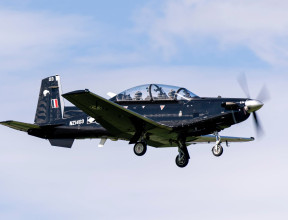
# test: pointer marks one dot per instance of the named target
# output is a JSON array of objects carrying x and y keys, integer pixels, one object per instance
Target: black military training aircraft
[{"x": 153, "y": 114}]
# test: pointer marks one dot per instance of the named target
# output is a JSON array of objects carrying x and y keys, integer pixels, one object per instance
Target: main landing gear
[
  {"x": 217, "y": 150},
  {"x": 183, "y": 157},
  {"x": 140, "y": 148}
]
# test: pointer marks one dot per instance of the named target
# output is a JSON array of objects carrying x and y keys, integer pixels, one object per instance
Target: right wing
[
  {"x": 20, "y": 126},
  {"x": 212, "y": 138}
]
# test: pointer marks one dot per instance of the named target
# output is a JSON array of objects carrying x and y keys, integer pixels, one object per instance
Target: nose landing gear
[{"x": 217, "y": 150}]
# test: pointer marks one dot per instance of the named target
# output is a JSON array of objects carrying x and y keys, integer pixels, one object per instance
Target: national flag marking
[{"x": 54, "y": 103}]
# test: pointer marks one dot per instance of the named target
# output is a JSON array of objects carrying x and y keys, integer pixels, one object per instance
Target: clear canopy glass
[{"x": 155, "y": 92}]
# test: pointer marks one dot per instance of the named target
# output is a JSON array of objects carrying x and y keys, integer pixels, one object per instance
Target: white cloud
[
  {"x": 260, "y": 25},
  {"x": 29, "y": 39},
  {"x": 112, "y": 58}
]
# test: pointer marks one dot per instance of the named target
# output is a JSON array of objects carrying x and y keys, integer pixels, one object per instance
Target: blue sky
[
  {"x": 140, "y": 33},
  {"x": 202, "y": 45}
]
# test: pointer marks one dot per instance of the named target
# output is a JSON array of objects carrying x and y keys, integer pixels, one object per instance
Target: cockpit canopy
[{"x": 153, "y": 92}]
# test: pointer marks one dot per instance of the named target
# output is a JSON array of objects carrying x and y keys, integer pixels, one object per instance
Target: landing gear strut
[
  {"x": 217, "y": 150},
  {"x": 183, "y": 157},
  {"x": 140, "y": 148}
]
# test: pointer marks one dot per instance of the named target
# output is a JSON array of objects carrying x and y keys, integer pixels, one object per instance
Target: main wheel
[
  {"x": 217, "y": 150},
  {"x": 140, "y": 148},
  {"x": 181, "y": 161}
]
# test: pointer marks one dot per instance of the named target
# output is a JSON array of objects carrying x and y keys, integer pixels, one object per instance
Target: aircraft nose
[{"x": 253, "y": 105}]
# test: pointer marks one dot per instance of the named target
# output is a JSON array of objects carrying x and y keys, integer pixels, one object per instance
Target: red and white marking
[{"x": 55, "y": 103}]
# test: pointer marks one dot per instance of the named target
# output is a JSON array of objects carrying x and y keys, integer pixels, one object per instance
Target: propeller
[
  {"x": 251, "y": 106},
  {"x": 258, "y": 125},
  {"x": 242, "y": 80}
]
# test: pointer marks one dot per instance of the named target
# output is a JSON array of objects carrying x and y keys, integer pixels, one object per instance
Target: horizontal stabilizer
[
  {"x": 20, "y": 126},
  {"x": 62, "y": 142}
]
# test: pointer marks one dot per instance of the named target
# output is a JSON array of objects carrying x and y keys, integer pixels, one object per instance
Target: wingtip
[{"x": 5, "y": 122}]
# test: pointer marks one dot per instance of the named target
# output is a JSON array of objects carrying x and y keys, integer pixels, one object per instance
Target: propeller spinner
[{"x": 252, "y": 105}]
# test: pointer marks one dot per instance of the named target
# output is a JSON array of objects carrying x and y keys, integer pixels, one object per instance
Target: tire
[
  {"x": 217, "y": 150},
  {"x": 181, "y": 162},
  {"x": 140, "y": 148}
]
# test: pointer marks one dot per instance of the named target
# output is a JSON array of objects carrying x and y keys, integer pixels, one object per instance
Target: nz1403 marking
[{"x": 77, "y": 122}]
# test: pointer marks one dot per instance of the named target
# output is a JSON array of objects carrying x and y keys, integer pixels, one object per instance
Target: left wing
[
  {"x": 212, "y": 138},
  {"x": 118, "y": 120}
]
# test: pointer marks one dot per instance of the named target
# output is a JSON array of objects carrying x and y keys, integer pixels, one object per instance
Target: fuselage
[{"x": 178, "y": 114}]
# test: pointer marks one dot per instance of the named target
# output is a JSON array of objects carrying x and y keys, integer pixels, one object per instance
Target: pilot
[
  {"x": 120, "y": 97},
  {"x": 127, "y": 97},
  {"x": 161, "y": 94},
  {"x": 138, "y": 95},
  {"x": 186, "y": 94},
  {"x": 171, "y": 94}
]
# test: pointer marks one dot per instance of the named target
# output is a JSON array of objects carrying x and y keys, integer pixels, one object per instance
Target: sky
[{"x": 109, "y": 46}]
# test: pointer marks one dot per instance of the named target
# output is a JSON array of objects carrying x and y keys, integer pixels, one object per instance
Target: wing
[
  {"x": 129, "y": 125},
  {"x": 118, "y": 120},
  {"x": 20, "y": 126},
  {"x": 212, "y": 138}
]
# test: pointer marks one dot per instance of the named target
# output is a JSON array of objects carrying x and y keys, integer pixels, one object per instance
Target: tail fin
[{"x": 50, "y": 104}]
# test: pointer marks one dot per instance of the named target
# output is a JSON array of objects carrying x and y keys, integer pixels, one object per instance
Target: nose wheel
[
  {"x": 140, "y": 148},
  {"x": 217, "y": 150}
]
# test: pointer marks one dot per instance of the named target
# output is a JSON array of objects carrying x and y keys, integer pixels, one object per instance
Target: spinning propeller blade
[
  {"x": 251, "y": 106},
  {"x": 258, "y": 126},
  {"x": 242, "y": 80},
  {"x": 263, "y": 94}
]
